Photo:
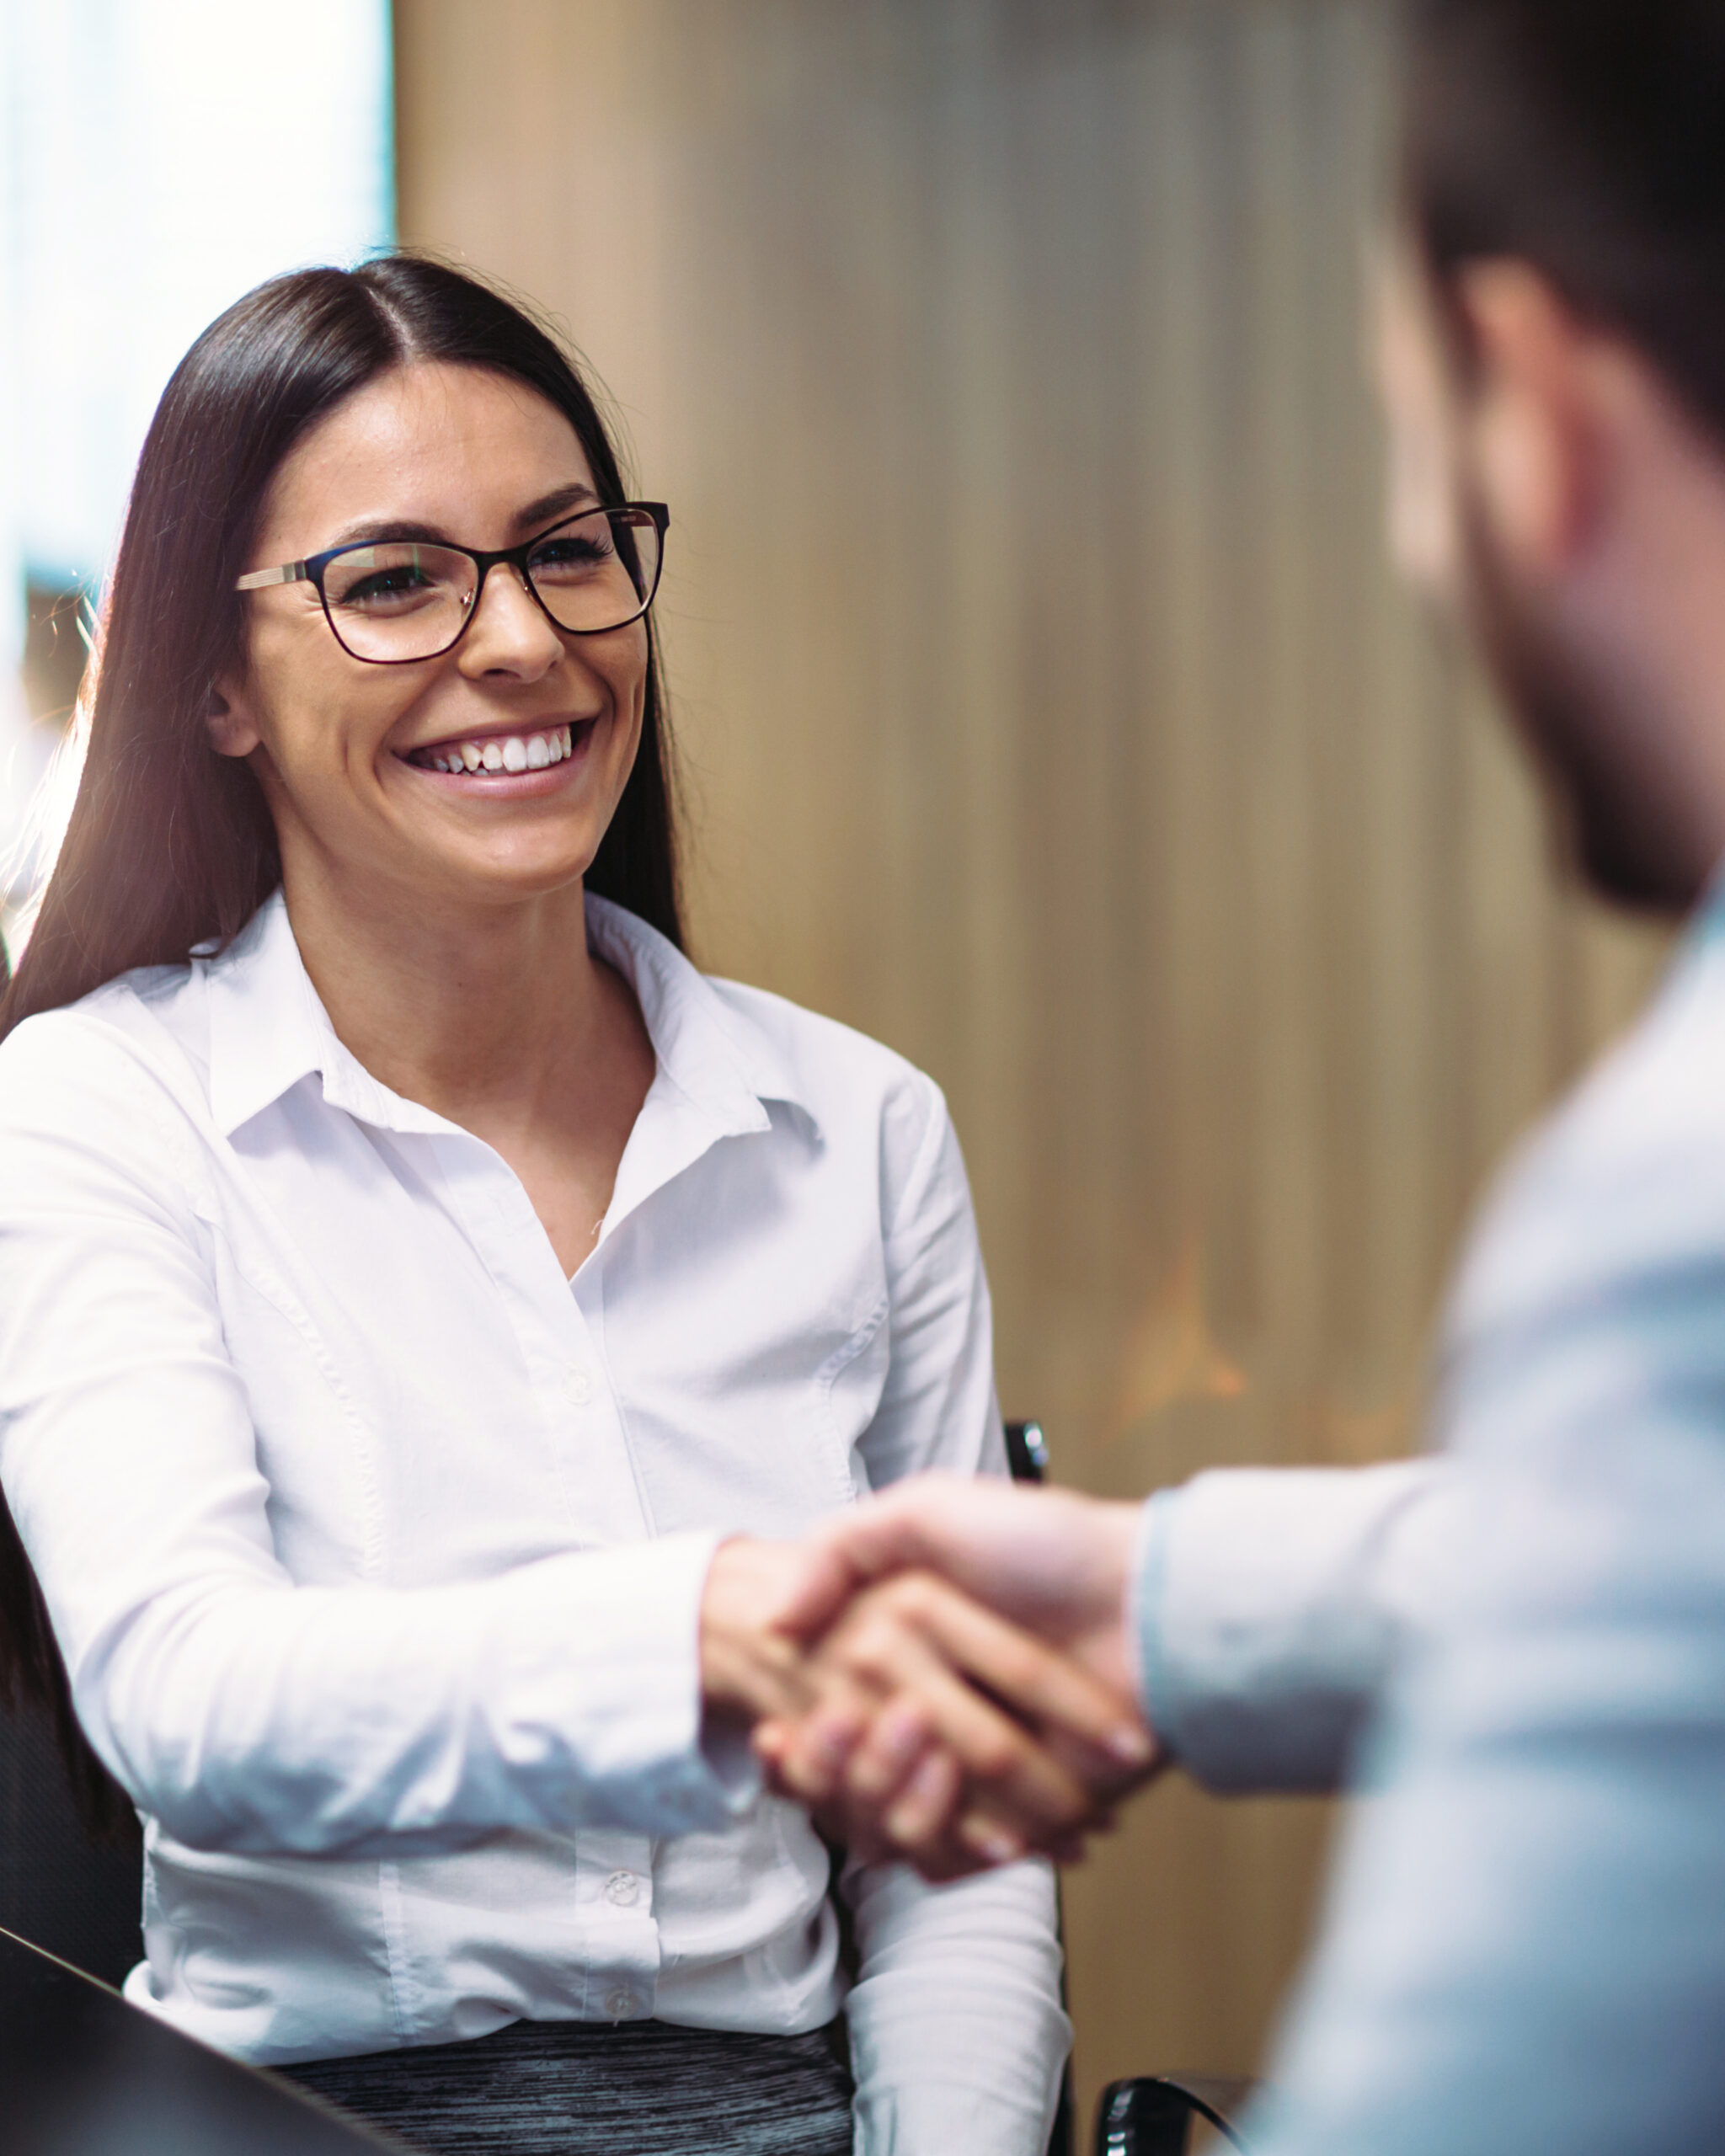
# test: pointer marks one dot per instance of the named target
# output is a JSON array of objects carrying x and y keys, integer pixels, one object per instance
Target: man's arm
[
  {"x": 1254, "y": 1614},
  {"x": 1525, "y": 1943},
  {"x": 1271, "y": 1605}
]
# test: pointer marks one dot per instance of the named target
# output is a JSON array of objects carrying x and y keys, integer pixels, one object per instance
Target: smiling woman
[
  {"x": 414, "y": 1275},
  {"x": 185, "y": 851}
]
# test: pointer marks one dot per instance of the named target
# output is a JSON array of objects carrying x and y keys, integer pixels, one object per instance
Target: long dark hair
[{"x": 169, "y": 845}]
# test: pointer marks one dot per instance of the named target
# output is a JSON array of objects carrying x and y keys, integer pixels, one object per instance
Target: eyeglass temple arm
[{"x": 255, "y": 580}]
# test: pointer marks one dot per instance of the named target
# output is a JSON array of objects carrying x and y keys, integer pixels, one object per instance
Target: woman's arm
[
  {"x": 957, "y": 2035},
  {"x": 245, "y": 1711}
]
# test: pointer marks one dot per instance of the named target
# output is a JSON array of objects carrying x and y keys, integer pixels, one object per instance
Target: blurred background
[
  {"x": 1046, "y": 708},
  {"x": 157, "y": 158}
]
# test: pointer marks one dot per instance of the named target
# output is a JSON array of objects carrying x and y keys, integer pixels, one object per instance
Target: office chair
[
  {"x": 61, "y": 1889},
  {"x": 1151, "y": 2115},
  {"x": 1027, "y": 1457}
]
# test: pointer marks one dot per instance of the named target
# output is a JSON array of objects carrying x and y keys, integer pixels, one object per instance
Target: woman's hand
[{"x": 749, "y": 1668}]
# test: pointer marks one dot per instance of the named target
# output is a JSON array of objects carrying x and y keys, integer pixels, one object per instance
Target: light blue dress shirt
[{"x": 1525, "y": 1943}]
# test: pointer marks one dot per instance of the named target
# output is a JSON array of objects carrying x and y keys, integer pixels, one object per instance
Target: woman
[{"x": 411, "y": 1268}]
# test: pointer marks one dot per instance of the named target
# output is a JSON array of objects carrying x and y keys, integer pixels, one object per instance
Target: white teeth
[{"x": 514, "y": 752}]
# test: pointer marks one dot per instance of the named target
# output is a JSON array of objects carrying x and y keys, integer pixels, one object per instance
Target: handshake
[{"x": 943, "y": 1675}]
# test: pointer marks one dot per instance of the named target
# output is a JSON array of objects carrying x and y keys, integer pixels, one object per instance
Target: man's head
[{"x": 1554, "y": 359}]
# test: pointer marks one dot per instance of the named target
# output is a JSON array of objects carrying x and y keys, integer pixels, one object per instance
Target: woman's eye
[
  {"x": 387, "y": 588},
  {"x": 562, "y": 558}
]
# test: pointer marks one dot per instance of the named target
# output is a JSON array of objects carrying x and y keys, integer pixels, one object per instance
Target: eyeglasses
[{"x": 391, "y": 601}]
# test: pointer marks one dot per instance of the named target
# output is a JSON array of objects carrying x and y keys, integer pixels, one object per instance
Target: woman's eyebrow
[
  {"x": 544, "y": 510},
  {"x": 389, "y": 527},
  {"x": 554, "y": 504}
]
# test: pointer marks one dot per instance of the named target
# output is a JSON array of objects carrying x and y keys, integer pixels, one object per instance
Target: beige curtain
[{"x": 1048, "y": 710}]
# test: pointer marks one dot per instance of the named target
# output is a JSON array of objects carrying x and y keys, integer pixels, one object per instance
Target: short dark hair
[{"x": 1587, "y": 138}]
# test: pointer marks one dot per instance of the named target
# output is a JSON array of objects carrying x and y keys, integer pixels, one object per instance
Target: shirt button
[
  {"x": 619, "y": 2004},
  {"x": 579, "y": 1386},
  {"x": 623, "y": 1889}
]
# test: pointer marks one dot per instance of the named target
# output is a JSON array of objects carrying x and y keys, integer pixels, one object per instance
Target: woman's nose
[{"x": 510, "y": 633}]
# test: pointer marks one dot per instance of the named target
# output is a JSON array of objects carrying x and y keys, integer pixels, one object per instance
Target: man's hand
[{"x": 1057, "y": 1565}]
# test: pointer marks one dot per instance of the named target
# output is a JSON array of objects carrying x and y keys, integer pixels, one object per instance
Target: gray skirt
[{"x": 592, "y": 2089}]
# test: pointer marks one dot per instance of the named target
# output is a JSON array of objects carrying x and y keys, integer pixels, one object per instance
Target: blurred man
[{"x": 1525, "y": 1943}]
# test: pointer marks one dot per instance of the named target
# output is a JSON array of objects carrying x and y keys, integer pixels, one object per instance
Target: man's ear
[
  {"x": 228, "y": 721},
  {"x": 1536, "y": 430},
  {"x": 1418, "y": 404}
]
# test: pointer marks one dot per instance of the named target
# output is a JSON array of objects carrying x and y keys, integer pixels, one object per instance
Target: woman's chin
[
  {"x": 437, "y": 883},
  {"x": 517, "y": 879}
]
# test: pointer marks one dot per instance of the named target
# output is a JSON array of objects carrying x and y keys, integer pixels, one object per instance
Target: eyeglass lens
[{"x": 397, "y": 600}]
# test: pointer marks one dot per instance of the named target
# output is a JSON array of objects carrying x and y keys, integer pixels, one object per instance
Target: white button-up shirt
[{"x": 375, "y": 1545}]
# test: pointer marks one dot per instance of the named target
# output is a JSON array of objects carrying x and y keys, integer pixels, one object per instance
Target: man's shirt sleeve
[{"x": 1271, "y": 1605}]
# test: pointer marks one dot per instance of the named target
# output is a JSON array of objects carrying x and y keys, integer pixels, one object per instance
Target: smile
[{"x": 502, "y": 752}]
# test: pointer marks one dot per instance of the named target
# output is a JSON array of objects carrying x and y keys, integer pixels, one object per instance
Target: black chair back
[
  {"x": 60, "y": 1889},
  {"x": 1027, "y": 1456},
  {"x": 1026, "y": 1451},
  {"x": 1153, "y": 2115}
]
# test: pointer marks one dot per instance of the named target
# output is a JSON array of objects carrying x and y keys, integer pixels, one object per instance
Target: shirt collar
[
  {"x": 268, "y": 1029},
  {"x": 722, "y": 1062},
  {"x": 1706, "y": 924}
]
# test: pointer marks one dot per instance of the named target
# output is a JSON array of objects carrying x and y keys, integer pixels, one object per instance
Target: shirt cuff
[
  {"x": 617, "y": 1662},
  {"x": 1270, "y": 1605}
]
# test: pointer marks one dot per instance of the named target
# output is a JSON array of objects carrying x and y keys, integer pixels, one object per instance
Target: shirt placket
[
  {"x": 559, "y": 1327},
  {"x": 614, "y": 1891},
  {"x": 619, "y": 1929}
]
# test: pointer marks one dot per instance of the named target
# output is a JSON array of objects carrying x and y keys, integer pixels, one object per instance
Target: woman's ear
[{"x": 228, "y": 721}]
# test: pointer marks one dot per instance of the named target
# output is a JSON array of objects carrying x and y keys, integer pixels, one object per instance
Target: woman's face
[{"x": 344, "y": 748}]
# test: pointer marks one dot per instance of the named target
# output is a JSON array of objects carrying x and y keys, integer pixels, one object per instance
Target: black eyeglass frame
[{"x": 312, "y": 568}]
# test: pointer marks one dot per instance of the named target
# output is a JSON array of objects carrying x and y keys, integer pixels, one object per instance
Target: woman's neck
[{"x": 481, "y": 1014}]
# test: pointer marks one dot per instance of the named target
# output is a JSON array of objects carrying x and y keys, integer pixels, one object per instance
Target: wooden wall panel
[{"x": 1049, "y": 710}]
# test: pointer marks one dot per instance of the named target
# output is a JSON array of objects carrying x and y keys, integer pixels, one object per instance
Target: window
[{"x": 157, "y": 158}]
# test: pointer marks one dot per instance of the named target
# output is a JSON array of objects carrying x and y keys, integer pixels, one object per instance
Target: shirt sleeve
[
  {"x": 1271, "y": 1605},
  {"x": 957, "y": 2035},
  {"x": 247, "y": 1712},
  {"x": 1525, "y": 1943}
]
